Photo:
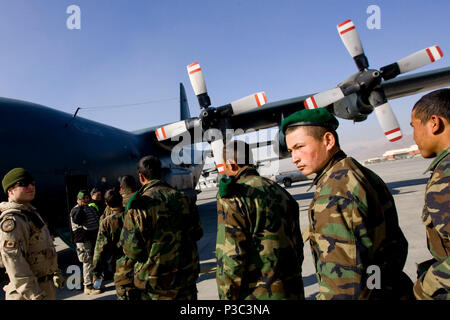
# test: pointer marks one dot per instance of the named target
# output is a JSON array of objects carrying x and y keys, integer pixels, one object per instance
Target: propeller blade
[
  {"x": 324, "y": 98},
  {"x": 176, "y": 128},
  {"x": 217, "y": 150},
  {"x": 248, "y": 103},
  {"x": 388, "y": 122},
  {"x": 198, "y": 84},
  {"x": 171, "y": 130},
  {"x": 414, "y": 61},
  {"x": 350, "y": 38}
]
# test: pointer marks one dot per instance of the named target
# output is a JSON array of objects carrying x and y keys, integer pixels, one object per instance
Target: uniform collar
[
  {"x": 116, "y": 211},
  {"x": 13, "y": 205},
  {"x": 226, "y": 183},
  {"x": 125, "y": 191},
  {"x": 438, "y": 159},
  {"x": 338, "y": 156},
  {"x": 149, "y": 184},
  {"x": 21, "y": 206},
  {"x": 245, "y": 171}
]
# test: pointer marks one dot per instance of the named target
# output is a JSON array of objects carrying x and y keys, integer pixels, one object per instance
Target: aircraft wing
[
  {"x": 271, "y": 114},
  {"x": 416, "y": 83}
]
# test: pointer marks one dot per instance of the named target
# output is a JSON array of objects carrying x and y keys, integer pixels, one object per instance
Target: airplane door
[{"x": 74, "y": 183}]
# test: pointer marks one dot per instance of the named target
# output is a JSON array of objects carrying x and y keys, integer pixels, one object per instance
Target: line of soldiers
[
  {"x": 353, "y": 222},
  {"x": 259, "y": 249},
  {"x": 152, "y": 247},
  {"x": 96, "y": 230}
]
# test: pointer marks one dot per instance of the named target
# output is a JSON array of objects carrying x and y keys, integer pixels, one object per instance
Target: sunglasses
[{"x": 25, "y": 183}]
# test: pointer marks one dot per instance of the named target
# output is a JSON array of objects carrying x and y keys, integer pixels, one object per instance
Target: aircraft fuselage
[{"x": 65, "y": 154}]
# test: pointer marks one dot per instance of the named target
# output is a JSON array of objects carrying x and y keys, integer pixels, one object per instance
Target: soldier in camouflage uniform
[
  {"x": 107, "y": 247},
  {"x": 259, "y": 247},
  {"x": 431, "y": 122},
  {"x": 27, "y": 250},
  {"x": 159, "y": 238},
  {"x": 353, "y": 219}
]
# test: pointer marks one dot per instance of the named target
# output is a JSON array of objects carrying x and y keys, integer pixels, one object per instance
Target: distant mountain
[{"x": 363, "y": 150}]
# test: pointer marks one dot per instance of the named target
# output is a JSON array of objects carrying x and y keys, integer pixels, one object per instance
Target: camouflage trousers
[
  {"x": 123, "y": 280},
  {"x": 85, "y": 253},
  {"x": 187, "y": 294},
  {"x": 129, "y": 293},
  {"x": 434, "y": 283}
]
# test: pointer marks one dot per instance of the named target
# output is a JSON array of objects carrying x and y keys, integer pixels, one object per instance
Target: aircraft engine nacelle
[{"x": 352, "y": 107}]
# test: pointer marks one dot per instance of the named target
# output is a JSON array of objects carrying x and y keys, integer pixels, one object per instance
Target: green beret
[
  {"x": 14, "y": 176},
  {"x": 310, "y": 117},
  {"x": 82, "y": 194}
]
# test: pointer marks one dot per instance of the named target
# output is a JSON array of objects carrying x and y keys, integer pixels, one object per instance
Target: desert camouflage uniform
[
  {"x": 353, "y": 225},
  {"x": 159, "y": 237},
  {"x": 435, "y": 283},
  {"x": 259, "y": 247},
  {"x": 27, "y": 253},
  {"x": 107, "y": 247}
]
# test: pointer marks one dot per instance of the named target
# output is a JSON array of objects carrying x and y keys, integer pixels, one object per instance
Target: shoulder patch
[{"x": 8, "y": 225}]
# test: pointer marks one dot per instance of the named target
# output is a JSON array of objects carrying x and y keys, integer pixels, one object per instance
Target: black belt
[{"x": 45, "y": 278}]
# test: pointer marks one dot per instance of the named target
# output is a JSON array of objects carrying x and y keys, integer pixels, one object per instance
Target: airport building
[{"x": 402, "y": 153}]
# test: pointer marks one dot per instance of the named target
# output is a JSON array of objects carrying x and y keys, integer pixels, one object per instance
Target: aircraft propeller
[
  {"x": 210, "y": 118},
  {"x": 366, "y": 83}
]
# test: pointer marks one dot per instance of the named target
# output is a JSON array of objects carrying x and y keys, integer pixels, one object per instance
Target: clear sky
[{"x": 128, "y": 52}]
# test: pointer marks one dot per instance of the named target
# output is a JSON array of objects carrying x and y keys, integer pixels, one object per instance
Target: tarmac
[{"x": 404, "y": 178}]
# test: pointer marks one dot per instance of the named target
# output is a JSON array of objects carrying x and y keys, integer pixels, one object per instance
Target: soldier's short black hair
[
  {"x": 128, "y": 183},
  {"x": 95, "y": 190},
  {"x": 113, "y": 198},
  {"x": 150, "y": 167},
  {"x": 433, "y": 103},
  {"x": 239, "y": 151}
]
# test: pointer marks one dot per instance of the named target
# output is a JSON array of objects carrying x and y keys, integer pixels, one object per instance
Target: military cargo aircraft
[{"x": 66, "y": 153}]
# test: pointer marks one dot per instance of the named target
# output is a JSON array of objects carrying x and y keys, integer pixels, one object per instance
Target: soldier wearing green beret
[
  {"x": 159, "y": 239},
  {"x": 259, "y": 246},
  {"x": 26, "y": 246},
  {"x": 357, "y": 245}
]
